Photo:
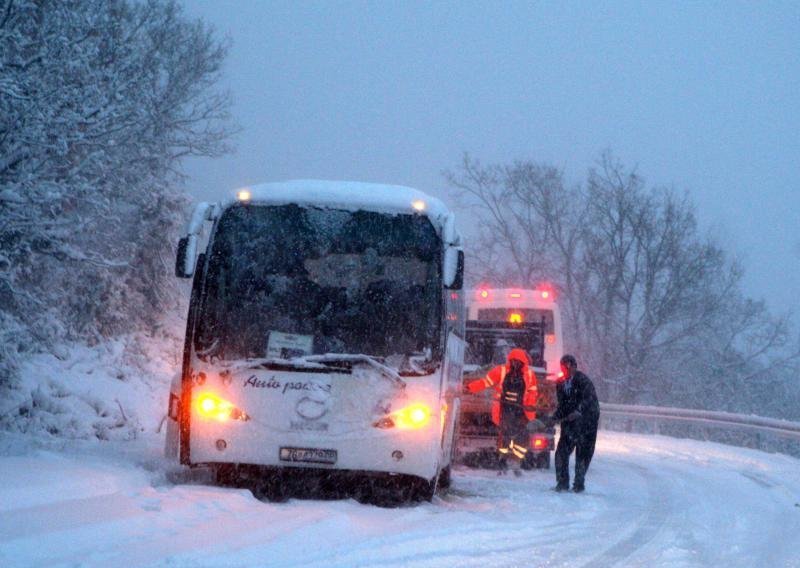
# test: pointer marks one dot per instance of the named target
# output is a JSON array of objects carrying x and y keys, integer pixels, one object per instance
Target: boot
[
  {"x": 503, "y": 466},
  {"x": 516, "y": 467}
]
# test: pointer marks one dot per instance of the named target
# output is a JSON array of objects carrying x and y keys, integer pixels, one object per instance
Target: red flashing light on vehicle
[
  {"x": 539, "y": 443},
  {"x": 545, "y": 294},
  {"x": 483, "y": 294}
]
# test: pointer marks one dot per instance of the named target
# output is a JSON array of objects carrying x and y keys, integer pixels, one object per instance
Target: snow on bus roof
[{"x": 348, "y": 195}]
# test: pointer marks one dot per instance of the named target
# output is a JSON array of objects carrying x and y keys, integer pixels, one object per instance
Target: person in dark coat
[{"x": 579, "y": 413}]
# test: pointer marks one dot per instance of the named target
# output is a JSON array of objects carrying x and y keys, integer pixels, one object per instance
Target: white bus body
[{"x": 325, "y": 332}]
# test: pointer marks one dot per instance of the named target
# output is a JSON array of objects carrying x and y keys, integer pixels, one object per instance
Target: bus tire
[
  {"x": 272, "y": 488},
  {"x": 425, "y": 490},
  {"x": 226, "y": 475},
  {"x": 445, "y": 478}
]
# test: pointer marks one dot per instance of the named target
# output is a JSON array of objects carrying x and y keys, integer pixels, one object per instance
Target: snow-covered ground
[{"x": 650, "y": 501}]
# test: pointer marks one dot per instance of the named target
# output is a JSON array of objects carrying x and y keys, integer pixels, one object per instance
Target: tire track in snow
[{"x": 658, "y": 511}]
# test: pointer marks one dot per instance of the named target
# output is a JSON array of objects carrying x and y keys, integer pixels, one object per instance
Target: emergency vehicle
[
  {"x": 325, "y": 337},
  {"x": 498, "y": 320}
]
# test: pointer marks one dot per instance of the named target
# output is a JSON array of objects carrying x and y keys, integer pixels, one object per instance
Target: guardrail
[{"x": 768, "y": 434}]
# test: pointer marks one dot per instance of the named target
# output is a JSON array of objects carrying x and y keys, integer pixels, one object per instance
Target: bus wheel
[
  {"x": 445, "y": 478},
  {"x": 425, "y": 490},
  {"x": 272, "y": 488},
  {"x": 226, "y": 475},
  {"x": 395, "y": 491},
  {"x": 398, "y": 491}
]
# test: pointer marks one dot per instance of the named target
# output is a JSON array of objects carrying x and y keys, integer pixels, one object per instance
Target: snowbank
[{"x": 112, "y": 391}]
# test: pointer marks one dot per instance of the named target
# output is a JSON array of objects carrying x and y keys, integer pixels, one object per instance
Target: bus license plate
[{"x": 308, "y": 455}]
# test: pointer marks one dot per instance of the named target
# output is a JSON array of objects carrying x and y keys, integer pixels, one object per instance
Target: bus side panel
[
  {"x": 186, "y": 373},
  {"x": 451, "y": 392}
]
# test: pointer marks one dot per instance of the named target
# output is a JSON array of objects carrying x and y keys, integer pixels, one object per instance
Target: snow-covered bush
[{"x": 111, "y": 391}]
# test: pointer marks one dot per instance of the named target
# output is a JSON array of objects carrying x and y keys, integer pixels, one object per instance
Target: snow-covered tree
[
  {"x": 99, "y": 101},
  {"x": 653, "y": 309}
]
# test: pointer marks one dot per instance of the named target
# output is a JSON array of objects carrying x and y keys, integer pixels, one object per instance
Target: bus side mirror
[
  {"x": 186, "y": 258},
  {"x": 453, "y": 268}
]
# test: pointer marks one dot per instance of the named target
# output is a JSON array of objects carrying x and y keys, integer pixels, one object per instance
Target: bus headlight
[
  {"x": 412, "y": 417},
  {"x": 210, "y": 406}
]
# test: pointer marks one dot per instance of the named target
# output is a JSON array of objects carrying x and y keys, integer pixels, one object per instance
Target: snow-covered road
[{"x": 650, "y": 501}]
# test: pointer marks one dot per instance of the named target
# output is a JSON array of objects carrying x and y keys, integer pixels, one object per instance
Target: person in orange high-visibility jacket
[{"x": 514, "y": 405}]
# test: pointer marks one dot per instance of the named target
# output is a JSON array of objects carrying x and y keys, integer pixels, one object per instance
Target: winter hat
[{"x": 569, "y": 360}]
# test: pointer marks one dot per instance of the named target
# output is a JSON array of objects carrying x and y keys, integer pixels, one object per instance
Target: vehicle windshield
[
  {"x": 493, "y": 335},
  {"x": 491, "y": 345},
  {"x": 526, "y": 315},
  {"x": 288, "y": 281}
]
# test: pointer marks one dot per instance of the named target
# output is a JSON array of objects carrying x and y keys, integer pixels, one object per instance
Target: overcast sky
[{"x": 701, "y": 97}]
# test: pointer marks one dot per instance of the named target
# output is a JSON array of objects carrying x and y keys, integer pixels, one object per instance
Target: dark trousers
[{"x": 576, "y": 437}]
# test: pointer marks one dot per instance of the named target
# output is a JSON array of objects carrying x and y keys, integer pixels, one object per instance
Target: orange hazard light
[
  {"x": 514, "y": 317},
  {"x": 412, "y": 417},
  {"x": 210, "y": 406}
]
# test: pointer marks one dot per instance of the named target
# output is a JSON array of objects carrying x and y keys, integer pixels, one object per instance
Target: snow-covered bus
[
  {"x": 325, "y": 338},
  {"x": 498, "y": 320}
]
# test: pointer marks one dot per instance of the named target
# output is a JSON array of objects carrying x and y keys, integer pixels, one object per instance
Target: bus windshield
[{"x": 286, "y": 281}]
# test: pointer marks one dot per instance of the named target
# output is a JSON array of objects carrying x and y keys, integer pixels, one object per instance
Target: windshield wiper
[
  {"x": 210, "y": 351},
  {"x": 319, "y": 363},
  {"x": 296, "y": 363},
  {"x": 417, "y": 365},
  {"x": 373, "y": 362}
]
